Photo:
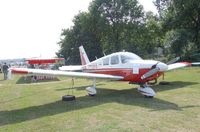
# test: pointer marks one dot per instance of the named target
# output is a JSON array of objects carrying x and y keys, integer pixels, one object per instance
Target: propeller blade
[
  {"x": 173, "y": 60},
  {"x": 150, "y": 73}
]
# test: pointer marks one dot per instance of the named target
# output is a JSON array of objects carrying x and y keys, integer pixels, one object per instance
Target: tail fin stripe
[{"x": 83, "y": 55}]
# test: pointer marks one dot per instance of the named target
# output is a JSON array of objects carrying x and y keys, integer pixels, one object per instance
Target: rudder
[{"x": 83, "y": 55}]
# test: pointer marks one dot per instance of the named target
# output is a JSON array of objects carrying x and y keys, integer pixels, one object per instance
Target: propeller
[
  {"x": 153, "y": 70},
  {"x": 173, "y": 60}
]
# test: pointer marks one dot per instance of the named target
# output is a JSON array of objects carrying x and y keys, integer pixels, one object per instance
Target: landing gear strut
[
  {"x": 92, "y": 90},
  {"x": 147, "y": 91}
]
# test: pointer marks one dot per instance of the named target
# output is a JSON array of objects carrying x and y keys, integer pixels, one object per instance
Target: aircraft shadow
[
  {"x": 126, "y": 97},
  {"x": 173, "y": 85},
  {"x": 78, "y": 88},
  {"x": 22, "y": 80}
]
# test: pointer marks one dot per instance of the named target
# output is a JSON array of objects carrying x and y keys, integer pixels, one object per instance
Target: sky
[{"x": 32, "y": 28}]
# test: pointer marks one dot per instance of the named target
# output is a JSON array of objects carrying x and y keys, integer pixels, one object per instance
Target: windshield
[{"x": 126, "y": 57}]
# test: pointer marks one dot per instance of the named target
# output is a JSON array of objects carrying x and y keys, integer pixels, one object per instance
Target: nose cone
[{"x": 162, "y": 66}]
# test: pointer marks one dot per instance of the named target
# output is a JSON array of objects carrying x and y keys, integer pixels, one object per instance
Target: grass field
[{"x": 117, "y": 106}]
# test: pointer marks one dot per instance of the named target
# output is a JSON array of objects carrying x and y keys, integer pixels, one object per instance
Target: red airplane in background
[
  {"x": 121, "y": 66},
  {"x": 39, "y": 60}
]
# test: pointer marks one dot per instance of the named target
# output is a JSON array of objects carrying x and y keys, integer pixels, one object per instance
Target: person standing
[{"x": 5, "y": 71}]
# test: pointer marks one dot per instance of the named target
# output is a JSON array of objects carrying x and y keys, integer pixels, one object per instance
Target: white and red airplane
[{"x": 121, "y": 66}]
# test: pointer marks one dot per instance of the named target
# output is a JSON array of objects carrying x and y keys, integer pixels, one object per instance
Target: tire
[
  {"x": 148, "y": 96},
  {"x": 68, "y": 98},
  {"x": 92, "y": 95}
]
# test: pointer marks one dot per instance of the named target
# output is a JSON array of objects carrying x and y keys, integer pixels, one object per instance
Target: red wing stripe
[
  {"x": 186, "y": 63},
  {"x": 17, "y": 71}
]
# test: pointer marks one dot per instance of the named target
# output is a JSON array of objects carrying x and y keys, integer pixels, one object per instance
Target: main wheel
[
  {"x": 148, "y": 96},
  {"x": 68, "y": 98},
  {"x": 91, "y": 94}
]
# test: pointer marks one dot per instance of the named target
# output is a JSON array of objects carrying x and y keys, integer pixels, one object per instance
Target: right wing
[
  {"x": 178, "y": 65},
  {"x": 64, "y": 73},
  {"x": 196, "y": 63}
]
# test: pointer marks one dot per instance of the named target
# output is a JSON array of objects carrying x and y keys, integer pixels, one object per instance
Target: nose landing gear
[
  {"x": 92, "y": 90},
  {"x": 147, "y": 91}
]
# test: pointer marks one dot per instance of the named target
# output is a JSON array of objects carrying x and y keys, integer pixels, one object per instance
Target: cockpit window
[
  {"x": 114, "y": 60},
  {"x": 126, "y": 58}
]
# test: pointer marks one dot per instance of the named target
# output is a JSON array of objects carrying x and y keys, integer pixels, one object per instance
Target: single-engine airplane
[{"x": 121, "y": 66}]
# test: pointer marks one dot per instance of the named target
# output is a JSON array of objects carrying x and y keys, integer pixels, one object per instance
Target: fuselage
[{"x": 125, "y": 64}]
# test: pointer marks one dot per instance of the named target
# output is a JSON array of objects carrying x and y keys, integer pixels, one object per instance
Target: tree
[
  {"x": 176, "y": 40},
  {"x": 120, "y": 22},
  {"x": 153, "y": 33},
  {"x": 183, "y": 16},
  {"x": 82, "y": 33},
  {"x": 109, "y": 26}
]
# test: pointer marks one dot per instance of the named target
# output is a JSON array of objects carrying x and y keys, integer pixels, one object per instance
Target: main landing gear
[
  {"x": 92, "y": 90},
  {"x": 147, "y": 91},
  {"x": 144, "y": 89}
]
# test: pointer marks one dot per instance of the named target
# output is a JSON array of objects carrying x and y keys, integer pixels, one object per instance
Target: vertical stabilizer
[{"x": 83, "y": 55}]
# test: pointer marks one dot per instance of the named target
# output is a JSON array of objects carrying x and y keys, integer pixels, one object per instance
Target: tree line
[{"x": 115, "y": 25}]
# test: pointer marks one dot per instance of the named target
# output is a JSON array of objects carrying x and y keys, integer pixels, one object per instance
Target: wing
[
  {"x": 196, "y": 63},
  {"x": 71, "y": 68},
  {"x": 178, "y": 65},
  {"x": 63, "y": 73}
]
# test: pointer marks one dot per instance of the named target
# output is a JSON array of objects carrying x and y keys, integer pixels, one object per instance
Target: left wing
[
  {"x": 178, "y": 65},
  {"x": 63, "y": 73}
]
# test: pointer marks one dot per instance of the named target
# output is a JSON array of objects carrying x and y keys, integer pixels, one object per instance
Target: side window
[
  {"x": 99, "y": 63},
  {"x": 114, "y": 60},
  {"x": 106, "y": 61}
]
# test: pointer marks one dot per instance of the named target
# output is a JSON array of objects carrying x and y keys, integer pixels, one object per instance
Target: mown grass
[{"x": 117, "y": 106}]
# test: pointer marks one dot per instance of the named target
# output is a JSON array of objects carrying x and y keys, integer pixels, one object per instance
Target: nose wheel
[
  {"x": 147, "y": 91},
  {"x": 92, "y": 90},
  {"x": 148, "y": 96}
]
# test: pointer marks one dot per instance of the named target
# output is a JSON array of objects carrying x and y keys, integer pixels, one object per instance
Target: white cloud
[{"x": 30, "y": 28}]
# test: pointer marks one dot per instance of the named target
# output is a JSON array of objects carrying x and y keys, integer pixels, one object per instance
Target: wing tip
[
  {"x": 186, "y": 63},
  {"x": 18, "y": 71}
]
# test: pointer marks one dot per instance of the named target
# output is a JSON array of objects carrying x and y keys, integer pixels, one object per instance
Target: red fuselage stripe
[{"x": 127, "y": 73}]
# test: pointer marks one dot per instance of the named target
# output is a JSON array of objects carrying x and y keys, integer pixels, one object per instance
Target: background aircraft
[{"x": 121, "y": 66}]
